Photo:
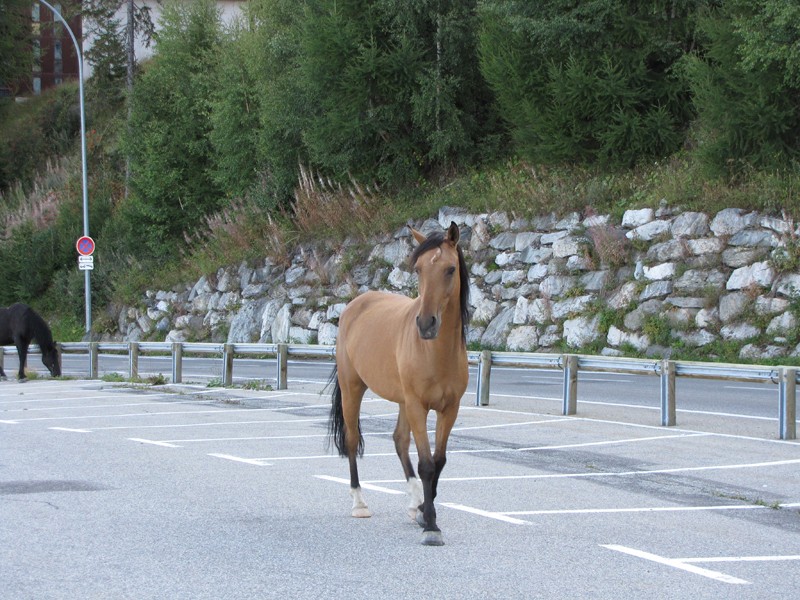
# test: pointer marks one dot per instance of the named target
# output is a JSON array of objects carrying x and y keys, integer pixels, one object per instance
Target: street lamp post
[{"x": 87, "y": 273}]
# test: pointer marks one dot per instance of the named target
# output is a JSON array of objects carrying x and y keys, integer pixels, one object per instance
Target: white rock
[
  {"x": 523, "y": 339},
  {"x": 658, "y": 272},
  {"x": 760, "y": 273},
  {"x": 581, "y": 331},
  {"x": 635, "y": 218}
]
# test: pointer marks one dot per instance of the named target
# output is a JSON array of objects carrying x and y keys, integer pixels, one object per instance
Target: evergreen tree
[
  {"x": 107, "y": 54},
  {"x": 392, "y": 87},
  {"x": 15, "y": 43},
  {"x": 168, "y": 140},
  {"x": 746, "y": 85},
  {"x": 589, "y": 81}
]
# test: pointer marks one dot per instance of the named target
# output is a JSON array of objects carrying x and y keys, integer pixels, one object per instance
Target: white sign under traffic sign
[{"x": 86, "y": 263}]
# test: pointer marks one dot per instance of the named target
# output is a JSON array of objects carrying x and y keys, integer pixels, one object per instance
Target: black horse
[{"x": 19, "y": 324}]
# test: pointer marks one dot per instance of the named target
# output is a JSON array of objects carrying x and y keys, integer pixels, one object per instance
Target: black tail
[{"x": 336, "y": 430}]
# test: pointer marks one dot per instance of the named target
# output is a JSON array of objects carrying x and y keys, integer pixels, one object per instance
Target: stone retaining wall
[{"x": 655, "y": 280}]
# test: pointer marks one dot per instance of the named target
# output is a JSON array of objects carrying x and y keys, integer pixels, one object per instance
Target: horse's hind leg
[
  {"x": 352, "y": 395},
  {"x": 402, "y": 440}
]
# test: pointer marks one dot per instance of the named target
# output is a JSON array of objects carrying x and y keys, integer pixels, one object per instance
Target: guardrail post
[
  {"x": 227, "y": 364},
  {"x": 484, "y": 377},
  {"x": 283, "y": 359},
  {"x": 570, "y": 400},
  {"x": 133, "y": 360},
  {"x": 787, "y": 400},
  {"x": 177, "y": 362},
  {"x": 93, "y": 359},
  {"x": 667, "y": 393}
]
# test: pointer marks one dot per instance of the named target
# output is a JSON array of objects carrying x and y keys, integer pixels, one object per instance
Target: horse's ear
[
  {"x": 417, "y": 236},
  {"x": 453, "y": 233}
]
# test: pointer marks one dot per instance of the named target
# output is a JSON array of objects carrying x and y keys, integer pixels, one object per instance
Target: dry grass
[
  {"x": 324, "y": 207},
  {"x": 39, "y": 206}
]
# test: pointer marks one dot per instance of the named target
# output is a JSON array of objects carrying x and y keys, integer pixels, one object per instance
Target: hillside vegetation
[{"x": 339, "y": 118}]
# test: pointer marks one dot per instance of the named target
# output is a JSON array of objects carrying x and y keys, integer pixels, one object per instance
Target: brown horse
[{"x": 412, "y": 352}]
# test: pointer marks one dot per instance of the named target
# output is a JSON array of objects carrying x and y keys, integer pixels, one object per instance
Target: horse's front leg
[
  {"x": 444, "y": 425},
  {"x": 429, "y": 470},
  {"x": 417, "y": 418},
  {"x": 402, "y": 441},
  {"x": 22, "y": 352}
]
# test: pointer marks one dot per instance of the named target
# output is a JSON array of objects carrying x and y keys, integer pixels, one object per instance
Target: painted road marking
[
  {"x": 30, "y": 410},
  {"x": 248, "y": 461},
  {"x": 635, "y": 406},
  {"x": 649, "y": 509},
  {"x": 776, "y": 463},
  {"x": 70, "y": 429},
  {"x": 365, "y": 434},
  {"x": 482, "y": 451},
  {"x": 366, "y": 486},
  {"x": 717, "y": 559},
  {"x": 677, "y": 564},
  {"x": 485, "y": 513},
  {"x": 154, "y": 443},
  {"x": 77, "y": 397}
]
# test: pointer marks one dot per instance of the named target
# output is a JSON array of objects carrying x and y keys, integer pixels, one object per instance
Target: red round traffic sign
[{"x": 85, "y": 245}]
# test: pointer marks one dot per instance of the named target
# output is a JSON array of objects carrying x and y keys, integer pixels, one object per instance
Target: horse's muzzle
[{"x": 428, "y": 327}]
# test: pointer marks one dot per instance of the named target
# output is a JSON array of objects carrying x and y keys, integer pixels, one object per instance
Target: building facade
[{"x": 54, "y": 57}]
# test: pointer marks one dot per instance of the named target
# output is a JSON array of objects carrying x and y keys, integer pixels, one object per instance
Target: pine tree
[{"x": 589, "y": 81}]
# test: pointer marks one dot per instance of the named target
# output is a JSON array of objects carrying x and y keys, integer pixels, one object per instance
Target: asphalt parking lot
[{"x": 194, "y": 492}]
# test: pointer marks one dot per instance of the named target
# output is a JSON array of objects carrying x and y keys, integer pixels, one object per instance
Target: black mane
[
  {"x": 435, "y": 240},
  {"x": 40, "y": 331}
]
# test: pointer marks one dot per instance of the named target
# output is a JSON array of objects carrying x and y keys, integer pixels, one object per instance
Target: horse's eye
[{"x": 450, "y": 271}]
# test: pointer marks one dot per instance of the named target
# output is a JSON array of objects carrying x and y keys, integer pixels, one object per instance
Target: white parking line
[
  {"x": 511, "y": 516},
  {"x": 154, "y": 443},
  {"x": 572, "y": 446},
  {"x": 777, "y": 463},
  {"x": 649, "y": 509},
  {"x": 248, "y": 461},
  {"x": 716, "y": 575},
  {"x": 70, "y": 398},
  {"x": 365, "y": 434},
  {"x": 485, "y": 513},
  {"x": 70, "y": 429},
  {"x": 212, "y": 424},
  {"x": 635, "y": 406},
  {"x": 30, "y": 410},
  {"x": 366, "y": 486},
  {"x": 718, "y": 559}
]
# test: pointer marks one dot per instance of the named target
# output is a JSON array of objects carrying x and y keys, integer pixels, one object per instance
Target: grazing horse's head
[
  {"x": 50, "y": 360},
  {"x": 441, "y": 270}
]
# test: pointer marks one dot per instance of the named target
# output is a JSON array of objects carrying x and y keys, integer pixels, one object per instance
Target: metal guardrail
[
  {"x": 667, "y": 370},
  {"x": 570, "y": 364}
]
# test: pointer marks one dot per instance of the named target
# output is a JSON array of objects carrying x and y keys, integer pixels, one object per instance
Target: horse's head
[
  {"x": 439, "y": 267},
  {"x": 50, "y": 360}
]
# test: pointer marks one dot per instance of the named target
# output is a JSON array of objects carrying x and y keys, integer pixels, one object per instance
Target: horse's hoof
[
  {"x": 432, "y": 538},
  {"x": 420, "y": 517},
  {"x": 412, "y": 513},
  {"x": 22, "y": 380},
  {"x": 3, "y": 378},
  {"x": 361, "y": 512}
]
